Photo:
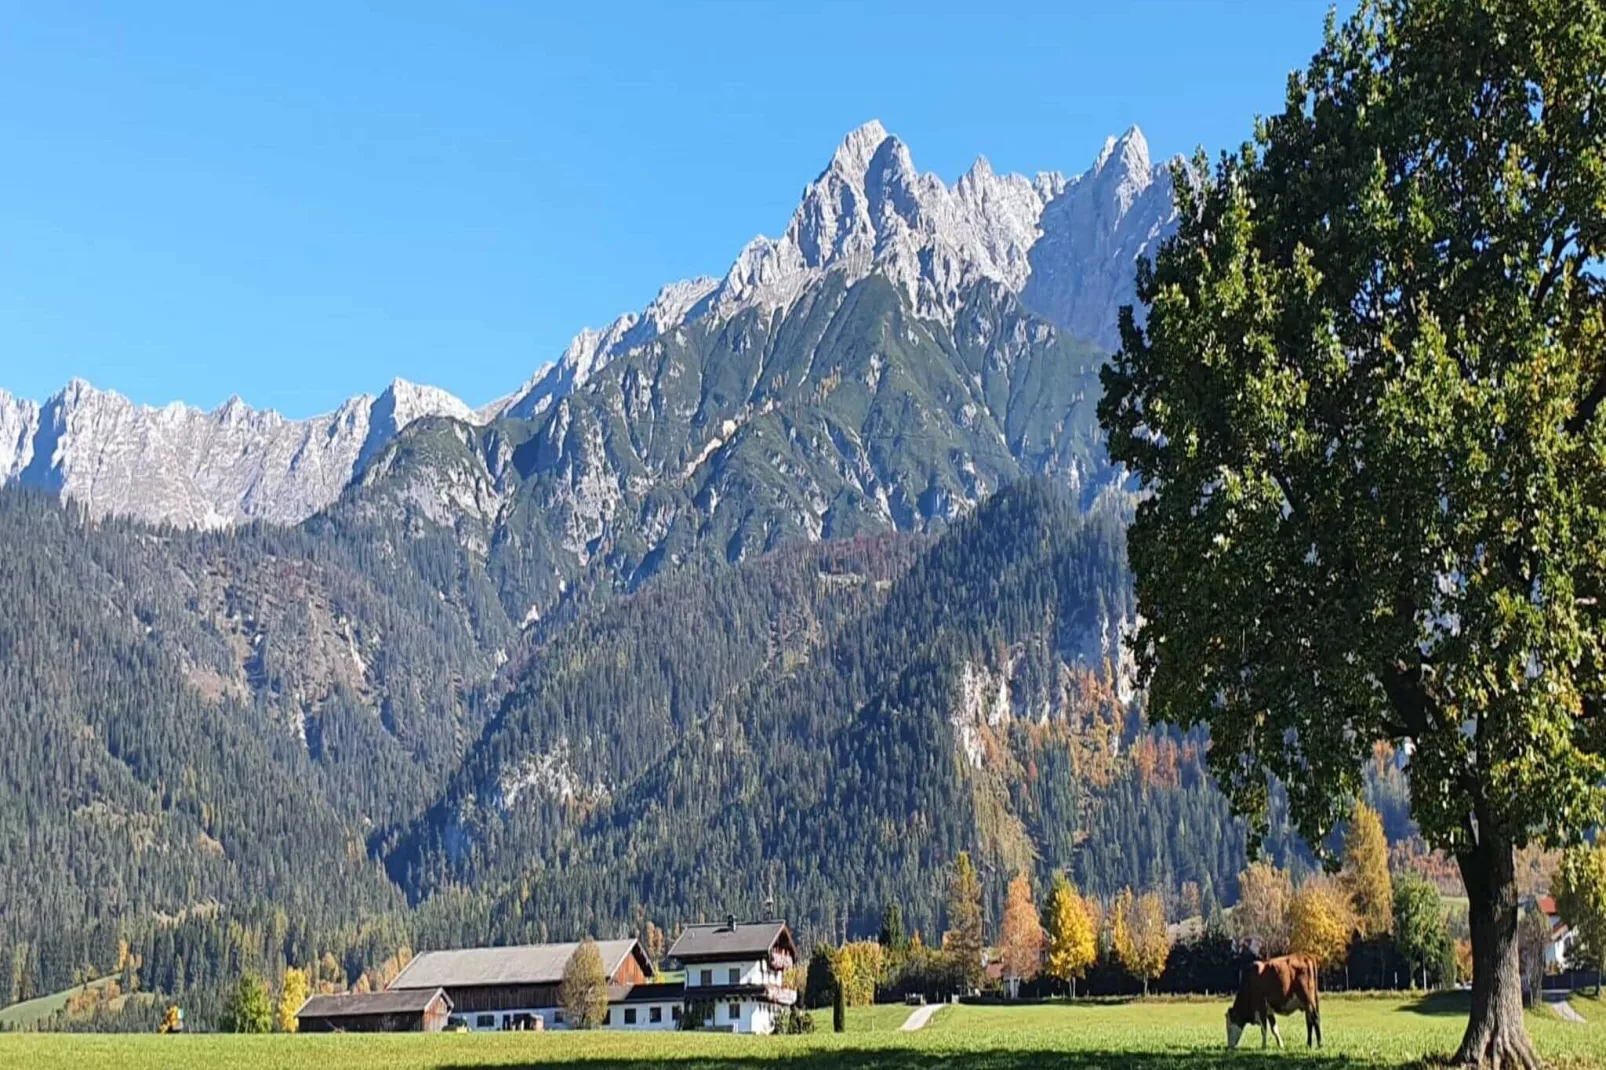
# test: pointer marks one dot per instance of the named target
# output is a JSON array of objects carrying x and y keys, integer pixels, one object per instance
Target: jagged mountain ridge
[
  {"x": 1064, "y": 246},
  {"x": 184, "y": 466}
]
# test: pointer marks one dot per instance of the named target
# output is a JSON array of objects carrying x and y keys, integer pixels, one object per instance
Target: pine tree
[{"x": 963, "y": 939}]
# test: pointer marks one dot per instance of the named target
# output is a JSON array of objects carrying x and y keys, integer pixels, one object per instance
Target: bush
[{"x": 795, "y": 1022}]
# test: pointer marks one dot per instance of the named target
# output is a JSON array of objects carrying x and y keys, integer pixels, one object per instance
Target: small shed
[{"x": 416, "y": 1010}]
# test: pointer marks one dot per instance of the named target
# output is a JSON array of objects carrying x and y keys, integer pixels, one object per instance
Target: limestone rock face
[
  {"x": 184, "y": 466},
  {"x": 964, "y": 261}
]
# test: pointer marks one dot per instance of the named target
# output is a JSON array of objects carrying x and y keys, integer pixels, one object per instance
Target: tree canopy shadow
[
  {"x": 1441, "y": 1005},
  {"x": 908, "y": 1059}
]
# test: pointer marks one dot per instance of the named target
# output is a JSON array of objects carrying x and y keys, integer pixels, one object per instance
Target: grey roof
[
  {"x": 752, "y": 939},
  {"x": 352, "y": 1004},
  {"x": 529, "y": 964}
]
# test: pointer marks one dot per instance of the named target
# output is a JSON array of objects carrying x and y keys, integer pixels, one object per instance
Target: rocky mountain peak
[{"x": 1067, "y": 245}]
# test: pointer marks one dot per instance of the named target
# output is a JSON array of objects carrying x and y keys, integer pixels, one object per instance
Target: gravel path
[
  {"x": 921, "y": 1015},
  {"x": 1557, "y": 1001}
]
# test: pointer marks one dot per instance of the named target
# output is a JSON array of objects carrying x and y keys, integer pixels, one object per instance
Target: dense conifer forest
[{"x": 330, "y": 744}]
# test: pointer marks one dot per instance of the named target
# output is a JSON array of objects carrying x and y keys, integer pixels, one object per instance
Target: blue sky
[{"x": 297, "y": 203}]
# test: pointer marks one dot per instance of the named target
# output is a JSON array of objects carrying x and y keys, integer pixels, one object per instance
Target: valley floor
[{"x": 1157, "y": 1034}]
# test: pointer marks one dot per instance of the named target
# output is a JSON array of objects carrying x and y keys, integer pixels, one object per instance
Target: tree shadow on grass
[
  {"x": 1441, "y": 1005},
  {"x": 917, "y": 1059}
]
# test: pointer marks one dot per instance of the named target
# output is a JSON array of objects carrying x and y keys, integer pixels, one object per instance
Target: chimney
[{"x": 730, "y": 922}]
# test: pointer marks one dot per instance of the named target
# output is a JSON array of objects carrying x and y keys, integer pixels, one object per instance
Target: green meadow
[{"x": 1157, "y": 1034}]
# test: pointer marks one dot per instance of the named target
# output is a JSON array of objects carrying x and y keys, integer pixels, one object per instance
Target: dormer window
[{"x": 735, "y": 975}]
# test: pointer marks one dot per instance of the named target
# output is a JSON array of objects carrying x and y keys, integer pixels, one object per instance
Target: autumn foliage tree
[
  {"x": 293, "y": 992},
  {"x": 1020, "y": 937},
  {"x": 1138, "y": 935},
  {"x": 1261, "y": 917},
  {"x": 1366, "y": 402},
  {"x": 583, "y": 991},
  {"x": 1072, "y": 934},
  {"x": 1321, "y": 920},
  {"x": 1366, "y": 872}
]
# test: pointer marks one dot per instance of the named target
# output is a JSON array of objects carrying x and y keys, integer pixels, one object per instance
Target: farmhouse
[
  {"x": 735, "y": 973},
  {"x": 419, "y": 1010},
  {"x": 517, "y": 987}
]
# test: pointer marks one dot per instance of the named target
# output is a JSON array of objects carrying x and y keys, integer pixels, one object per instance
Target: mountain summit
[{"x": 1062, "y": 247}]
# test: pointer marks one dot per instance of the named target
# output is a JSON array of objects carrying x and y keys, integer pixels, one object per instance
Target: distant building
[
  {"x": 1559, "y": 947},
  {"x": 735, "y": 973},
  {"x": 422, "y": 1010},
  {"x": 514, "y": 987}
]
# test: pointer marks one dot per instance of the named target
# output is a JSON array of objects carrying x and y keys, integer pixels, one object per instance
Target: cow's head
[{"x": 1235, "y": 1030}]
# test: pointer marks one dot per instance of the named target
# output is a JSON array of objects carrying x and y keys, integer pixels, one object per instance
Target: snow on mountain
[
  {"x": 182, "y": 465},
  {"x": 1067, "y": 246}
]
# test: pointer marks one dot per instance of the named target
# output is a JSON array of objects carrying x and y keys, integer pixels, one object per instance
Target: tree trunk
[{"x": 1497, "y": 1036}]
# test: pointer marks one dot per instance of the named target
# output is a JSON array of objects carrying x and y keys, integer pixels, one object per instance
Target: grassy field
[
  {"x": 32, "y": 1011},
  {"x": 1144, "y": 1035}
]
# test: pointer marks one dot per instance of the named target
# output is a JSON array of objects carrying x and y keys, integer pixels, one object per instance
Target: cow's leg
[
  {"x": 1274, "y": 1032},
  {"x": 1264, "y": 1040}
]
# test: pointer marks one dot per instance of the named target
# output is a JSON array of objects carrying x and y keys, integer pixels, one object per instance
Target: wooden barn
[
  {"x": 417, "y": 1010},
  {"x": 515, "y": 987}
]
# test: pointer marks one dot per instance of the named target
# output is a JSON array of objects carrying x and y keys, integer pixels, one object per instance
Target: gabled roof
[
  {"x": 732, "y": 941},
  {"x": 528, "y": 964},
  {"x": 651, "y": 992},
  {"x": 356, "y": 1004}
]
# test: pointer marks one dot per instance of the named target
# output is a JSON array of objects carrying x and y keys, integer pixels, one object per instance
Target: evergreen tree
[{"x": 963, "y": 939}]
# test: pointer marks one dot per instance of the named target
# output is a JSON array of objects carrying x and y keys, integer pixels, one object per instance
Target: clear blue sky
[{"x": 298, "y": 202}]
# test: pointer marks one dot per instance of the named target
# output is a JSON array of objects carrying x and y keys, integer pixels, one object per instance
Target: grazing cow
[{"x": 1276, "y": 986}]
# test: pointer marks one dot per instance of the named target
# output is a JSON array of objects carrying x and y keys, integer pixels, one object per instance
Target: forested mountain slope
[
  {"x": 841, "y": 415},
  {"x": 836, "y": 750}
]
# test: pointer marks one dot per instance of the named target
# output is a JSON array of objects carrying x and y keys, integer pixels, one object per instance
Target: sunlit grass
[{"x": 1144, "y": 1035}]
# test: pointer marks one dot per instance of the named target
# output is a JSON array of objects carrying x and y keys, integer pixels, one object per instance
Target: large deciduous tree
[{"x": 1366, "y": 403}]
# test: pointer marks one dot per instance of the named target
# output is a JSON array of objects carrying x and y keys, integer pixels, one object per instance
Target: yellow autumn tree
[
  {"x": 1072, "y": 933},
  {"x": 1261, "y": 916},
  {"x": 293, "y": 992},
  {"x": 1366, "y": 872},
  {"x": 1021, "y": 934},
  {"x": 1138, "y": 935},
  {"x": 1321, "y": 920}
]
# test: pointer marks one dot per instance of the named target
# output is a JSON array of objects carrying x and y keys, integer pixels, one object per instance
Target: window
[
  {"x": 674, "y": 1013},
  {"x": 735, "y": 975},
  {"x": 607, "y": 1019},
  {"x": 708, "y": 977},
  {"x": 557, "y": 1017},
  {"x": 630, "y": 1016},
  {"x": 655, "y": 1014},
  {"x": 485, "y": 1021},
  {"x": 736, "y": 1012}
]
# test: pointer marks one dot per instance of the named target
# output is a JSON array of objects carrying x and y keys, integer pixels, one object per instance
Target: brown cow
[{"x": 1276, "y": 986}]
